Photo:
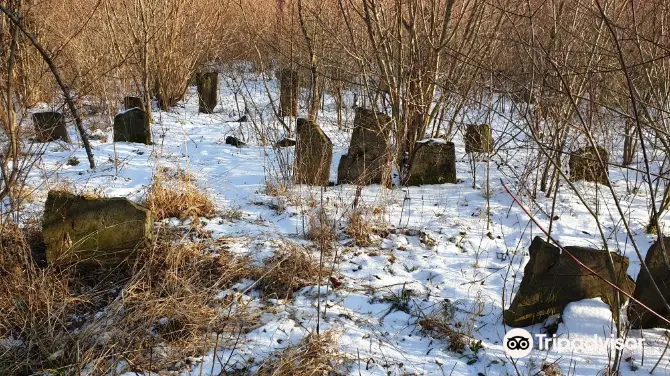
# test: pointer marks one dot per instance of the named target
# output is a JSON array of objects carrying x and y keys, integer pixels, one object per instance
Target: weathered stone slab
[
  {"x": 368, "y": 160},
  {"x": 93, "y": 231},
  {"x": 584, "y": 165},
  {"x": 434, "y": 162},
  {"x": 313, "y": 154},
  {"x": 132, "y": 126},
  {"x": 50, "y": 126},
  {"x": 552, "y": 280},
  {"x": 133, "y": 102},
  {"x": 289, "y": 90},
  {"x": 638, "y": 316},
  {"x": 208, "y": 91},
  {"x": 478, "y": 138}
]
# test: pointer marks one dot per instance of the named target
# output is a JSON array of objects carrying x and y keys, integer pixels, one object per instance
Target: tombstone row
[{"x": 369, "y": 157}]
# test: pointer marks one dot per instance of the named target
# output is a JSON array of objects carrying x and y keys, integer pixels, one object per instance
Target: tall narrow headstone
[
  {"x": 368, "y": 160},
  {"x": 313, "y": 154},
  {"x": 208, "y": 91},
  {"x": 50, "y": 126},
  {"x": 289, "y": 87}
]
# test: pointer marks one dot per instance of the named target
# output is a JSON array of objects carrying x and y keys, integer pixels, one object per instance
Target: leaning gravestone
[
  {"x": 478, "y": 139},
  {"x": 50, "y": 126},
  {"x": 289, "y": 87},
  {"x": 313, "y": 154},
  {"x": 584, "y": 165},
  {"x": 368, "y": 160},
  {"x": 639, "y": 317},
  {"x": 552, "y": 280},
  {"x": 434, "y": 162},
  {"x": 93, "y": 231},
  {"x": 133, "y": 102},
  {"x": 208, "y": 91},
  {"x": 132, "y": 126}
]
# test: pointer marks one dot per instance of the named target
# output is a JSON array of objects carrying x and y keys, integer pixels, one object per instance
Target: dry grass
[
  {"x": 320, "y": 229},
  {"x": 551, "y": 369},
  {"x": 275, "y": 188},
  {"x": 313, "y": 355},
  {"x": 440, "y": 324},
  {"x": 36, "y": 307},
  {"x": 176, "y": 195},
  {"x": 359, "y": 228},
  {"x": 153, "y": 314},
  {"x": 441, "y": 329},
  {"x": 289, "y": 270}
]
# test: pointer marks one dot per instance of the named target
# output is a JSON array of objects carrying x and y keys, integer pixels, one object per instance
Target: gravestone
[
  {"x": 50, "y": 126},
  {"x": 639, "y": 317},
  {"x": 552, "y": 280},
  {"x": 286, "y": 142},
  {"x": 289, "y": 87},
  {"x": 584, "y": 165},
  {"x": 208, "y": 91},
  {"x": 232, "y": 140},
  {"x": 313, "y": 154},
  {"x": 132, "y": 126},
  {"x": 133, "y": 102},
  {"x": 93, "y": 231},
  {"x": 478, "y": 139},
  {"x": 434, "y": 162},
  {"x": 368, "y": 160}
]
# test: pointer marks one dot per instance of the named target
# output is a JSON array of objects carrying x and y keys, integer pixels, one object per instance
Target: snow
[{"x": 472, "y": 262}]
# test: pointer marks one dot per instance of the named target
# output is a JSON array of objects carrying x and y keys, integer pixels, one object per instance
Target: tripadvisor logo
[{"x": 518, "y": 343}]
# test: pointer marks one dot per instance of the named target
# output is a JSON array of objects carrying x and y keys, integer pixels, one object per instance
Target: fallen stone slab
[
  {"x": 93, "y": 231},
  {"x": 552, "y": 280}
]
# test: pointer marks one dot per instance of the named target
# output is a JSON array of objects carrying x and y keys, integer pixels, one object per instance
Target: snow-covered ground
[{"x": 439, "y": 245}]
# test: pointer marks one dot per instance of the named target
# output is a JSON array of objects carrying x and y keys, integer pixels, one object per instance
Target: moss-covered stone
[
  {"x": 313, "y": 154},
  {"x": 478, "y": 138},
  {"x": 50, "y": 126},
  {"x": 434, "y": 163},
  {"x": 552, "y": 280},
  {"x": 93, "y": 231},
  {"x": 208, "y": 91},
  {"x": 132, "y": 126},
  {"x": 639, "y": 317},
  {"x": 584, "y": 165},
  {"x": 368, "y": 160}
]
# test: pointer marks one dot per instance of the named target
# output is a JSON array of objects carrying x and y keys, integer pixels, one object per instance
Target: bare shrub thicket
[
  {"x": 175, "y": 194},
  {"x": 564, "y": 74}
]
